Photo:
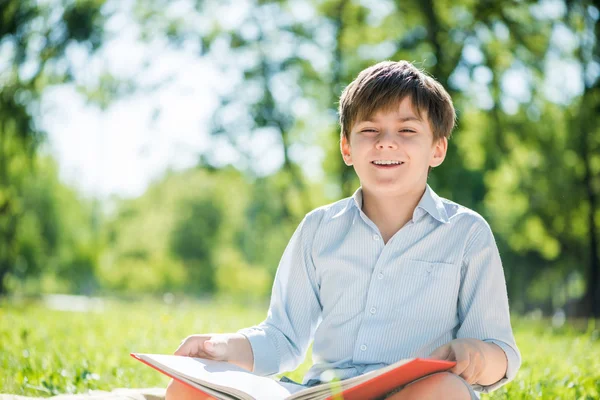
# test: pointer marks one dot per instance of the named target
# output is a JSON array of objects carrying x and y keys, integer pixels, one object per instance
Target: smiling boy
[{"x": 392, "y": 272}]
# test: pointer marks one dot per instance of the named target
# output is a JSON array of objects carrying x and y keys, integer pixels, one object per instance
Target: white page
[{"x": 222, "y": 376}]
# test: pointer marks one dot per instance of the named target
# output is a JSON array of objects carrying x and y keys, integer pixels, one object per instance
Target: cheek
[
  {"x": 417, "y": 149},
  {"x": 362, "y": 143},
  {"x": 420, "y": 145}
]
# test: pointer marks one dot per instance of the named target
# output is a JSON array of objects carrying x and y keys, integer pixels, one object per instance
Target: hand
[
  {"x": 469, "y": 355},
  {"x": 230, "y": 347},
  {"x": 210, "y": 346}
]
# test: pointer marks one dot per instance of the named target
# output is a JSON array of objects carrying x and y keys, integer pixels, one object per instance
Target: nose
[{"x": 387, "y": 140}]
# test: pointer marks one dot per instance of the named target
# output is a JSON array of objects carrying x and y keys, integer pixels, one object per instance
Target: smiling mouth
[{"x": 387, "y": 164}]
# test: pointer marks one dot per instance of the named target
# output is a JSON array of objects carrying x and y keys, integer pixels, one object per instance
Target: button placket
[{"x": 370, "y": 310}]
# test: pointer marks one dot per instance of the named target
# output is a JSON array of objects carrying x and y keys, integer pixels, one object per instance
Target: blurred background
[{"x": 171, "y": 147}]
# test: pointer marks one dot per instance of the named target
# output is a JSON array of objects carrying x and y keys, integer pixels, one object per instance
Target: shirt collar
[
  {"x": 357, "y": 198},
  {"x": 430, "y": 203}
]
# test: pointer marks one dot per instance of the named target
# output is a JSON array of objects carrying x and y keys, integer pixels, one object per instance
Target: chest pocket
[{"x": 426, "y": 291}]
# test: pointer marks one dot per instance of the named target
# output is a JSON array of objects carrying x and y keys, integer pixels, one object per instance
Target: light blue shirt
[{"x": 368, "y": 304}]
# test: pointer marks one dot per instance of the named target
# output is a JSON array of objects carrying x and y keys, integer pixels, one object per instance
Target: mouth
[{"x": 387, "y": 164}]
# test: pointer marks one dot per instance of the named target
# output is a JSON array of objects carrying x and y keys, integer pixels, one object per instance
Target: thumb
[
  {"x": 216, "y": 349},
  {"x": 441, "y": 353}
]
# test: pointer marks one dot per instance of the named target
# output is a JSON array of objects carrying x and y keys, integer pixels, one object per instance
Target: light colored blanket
[{"x": 117, "y": 394}]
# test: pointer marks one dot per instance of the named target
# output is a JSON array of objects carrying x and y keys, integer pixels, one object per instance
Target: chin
[
  {"x": 394, "y": 188},
  {"x": 387, "y": 189}
]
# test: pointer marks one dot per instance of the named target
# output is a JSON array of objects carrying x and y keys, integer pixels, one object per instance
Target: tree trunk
[
  {"x": 4, "y": 267},
  {"x": 592, "y": 295},
  {"x": 587, "y": 125},
  {"x": 5, "y": 243}
]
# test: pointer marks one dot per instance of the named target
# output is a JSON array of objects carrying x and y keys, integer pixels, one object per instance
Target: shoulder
[
  {"x": 464, "y": 219},
  {"x": 473, "y": 229},
  {"x": 332, "y": 210},
  {"x": 328, "y": 213}
]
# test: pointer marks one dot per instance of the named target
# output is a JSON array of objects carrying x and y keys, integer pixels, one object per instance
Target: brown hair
[{"x": 383, "y": 86}]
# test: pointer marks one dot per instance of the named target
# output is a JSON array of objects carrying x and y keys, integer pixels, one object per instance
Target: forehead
[{"x": 402, "y": 110}]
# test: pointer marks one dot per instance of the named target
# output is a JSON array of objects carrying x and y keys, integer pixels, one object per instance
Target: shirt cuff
[
  {"x": 514, "y": 362},
  {"x": 266, "y": 354}
]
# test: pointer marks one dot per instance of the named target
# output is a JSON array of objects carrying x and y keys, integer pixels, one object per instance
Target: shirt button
[
  {"x": 373, "y": 310},
  {"x": 375, "y": 237},
  {"x": 380, "y": 276},
  {"x": 363, "y": 347}
]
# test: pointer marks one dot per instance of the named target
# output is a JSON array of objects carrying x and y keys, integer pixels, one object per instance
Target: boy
[{"x": 392, "y": 272}]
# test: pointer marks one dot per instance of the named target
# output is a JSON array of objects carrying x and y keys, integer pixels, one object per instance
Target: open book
[{"x": 221, "y": 380}]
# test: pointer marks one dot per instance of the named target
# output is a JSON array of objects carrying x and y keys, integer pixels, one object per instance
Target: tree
[
  {"x": 55, "y": 235},
  {"x": 194, "y": 240},
  {"x": 34, "y": 38},
  {"x": 583, "y": 18},
  {"x": 535, "y": 182}
]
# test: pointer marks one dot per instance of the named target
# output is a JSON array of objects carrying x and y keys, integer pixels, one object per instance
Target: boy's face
[{"x": 400, "y": 137}]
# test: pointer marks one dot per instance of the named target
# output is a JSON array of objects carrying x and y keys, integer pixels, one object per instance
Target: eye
[
  {"x": 407, "y": 130},
  {"x": 369, "y": 130}
]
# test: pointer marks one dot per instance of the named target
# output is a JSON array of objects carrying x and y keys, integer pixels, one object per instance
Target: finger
[
  {"x": 478, "y": 367},
  {"x": 468, "y": 373},
  {"x": 475, "y": 377},
  {"x": 192, "y": 346},
  {"x": 441, "y": 353},
  {"x": 216, "y": 348},
  {"x": 460, "y": 367},
  {"x": 462, "y": 358}
]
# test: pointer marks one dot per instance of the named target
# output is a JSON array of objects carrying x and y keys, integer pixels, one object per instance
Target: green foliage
[
  {"x": 34, "y": 38},
  {"x": 55, "y": 234},
  {"x": 194, "y": 239},
  {"x": 45, "y": 352},
  {"x": 197, "y": 231},
  {"x": 236, "y": 279},
  {"x": 524, "y": 154}
]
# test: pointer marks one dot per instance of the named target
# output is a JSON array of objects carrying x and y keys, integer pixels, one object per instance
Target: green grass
[{"x": 44, "y": 352}]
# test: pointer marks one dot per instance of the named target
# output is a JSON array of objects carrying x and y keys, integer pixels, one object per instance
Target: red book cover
[
  {"x": 388, "y": 381},
  {"x": 376, "y": 386}
]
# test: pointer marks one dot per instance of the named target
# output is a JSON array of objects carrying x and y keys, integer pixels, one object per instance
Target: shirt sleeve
[
  {"x": 483, "y": 300},
  {"x": 280, "y": 342}
]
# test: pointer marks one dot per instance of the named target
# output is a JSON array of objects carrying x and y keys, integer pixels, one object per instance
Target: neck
[{"x": 390, "y": 213}]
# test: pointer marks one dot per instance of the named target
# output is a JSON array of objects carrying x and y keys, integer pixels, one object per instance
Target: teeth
[{"x": 387, "y": 162}]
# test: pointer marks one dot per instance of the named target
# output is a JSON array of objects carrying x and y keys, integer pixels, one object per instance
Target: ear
[
  {"x": 440, "y": 147},
  {"x": 346, "y": 150}
]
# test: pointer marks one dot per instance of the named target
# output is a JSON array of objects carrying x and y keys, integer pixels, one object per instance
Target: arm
[
  {"x": 280, "y": 342},
  {"x": 485, "y": 348}
]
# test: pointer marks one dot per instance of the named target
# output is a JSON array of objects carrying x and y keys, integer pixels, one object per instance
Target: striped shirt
[{"x": 368, "y": 304}]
